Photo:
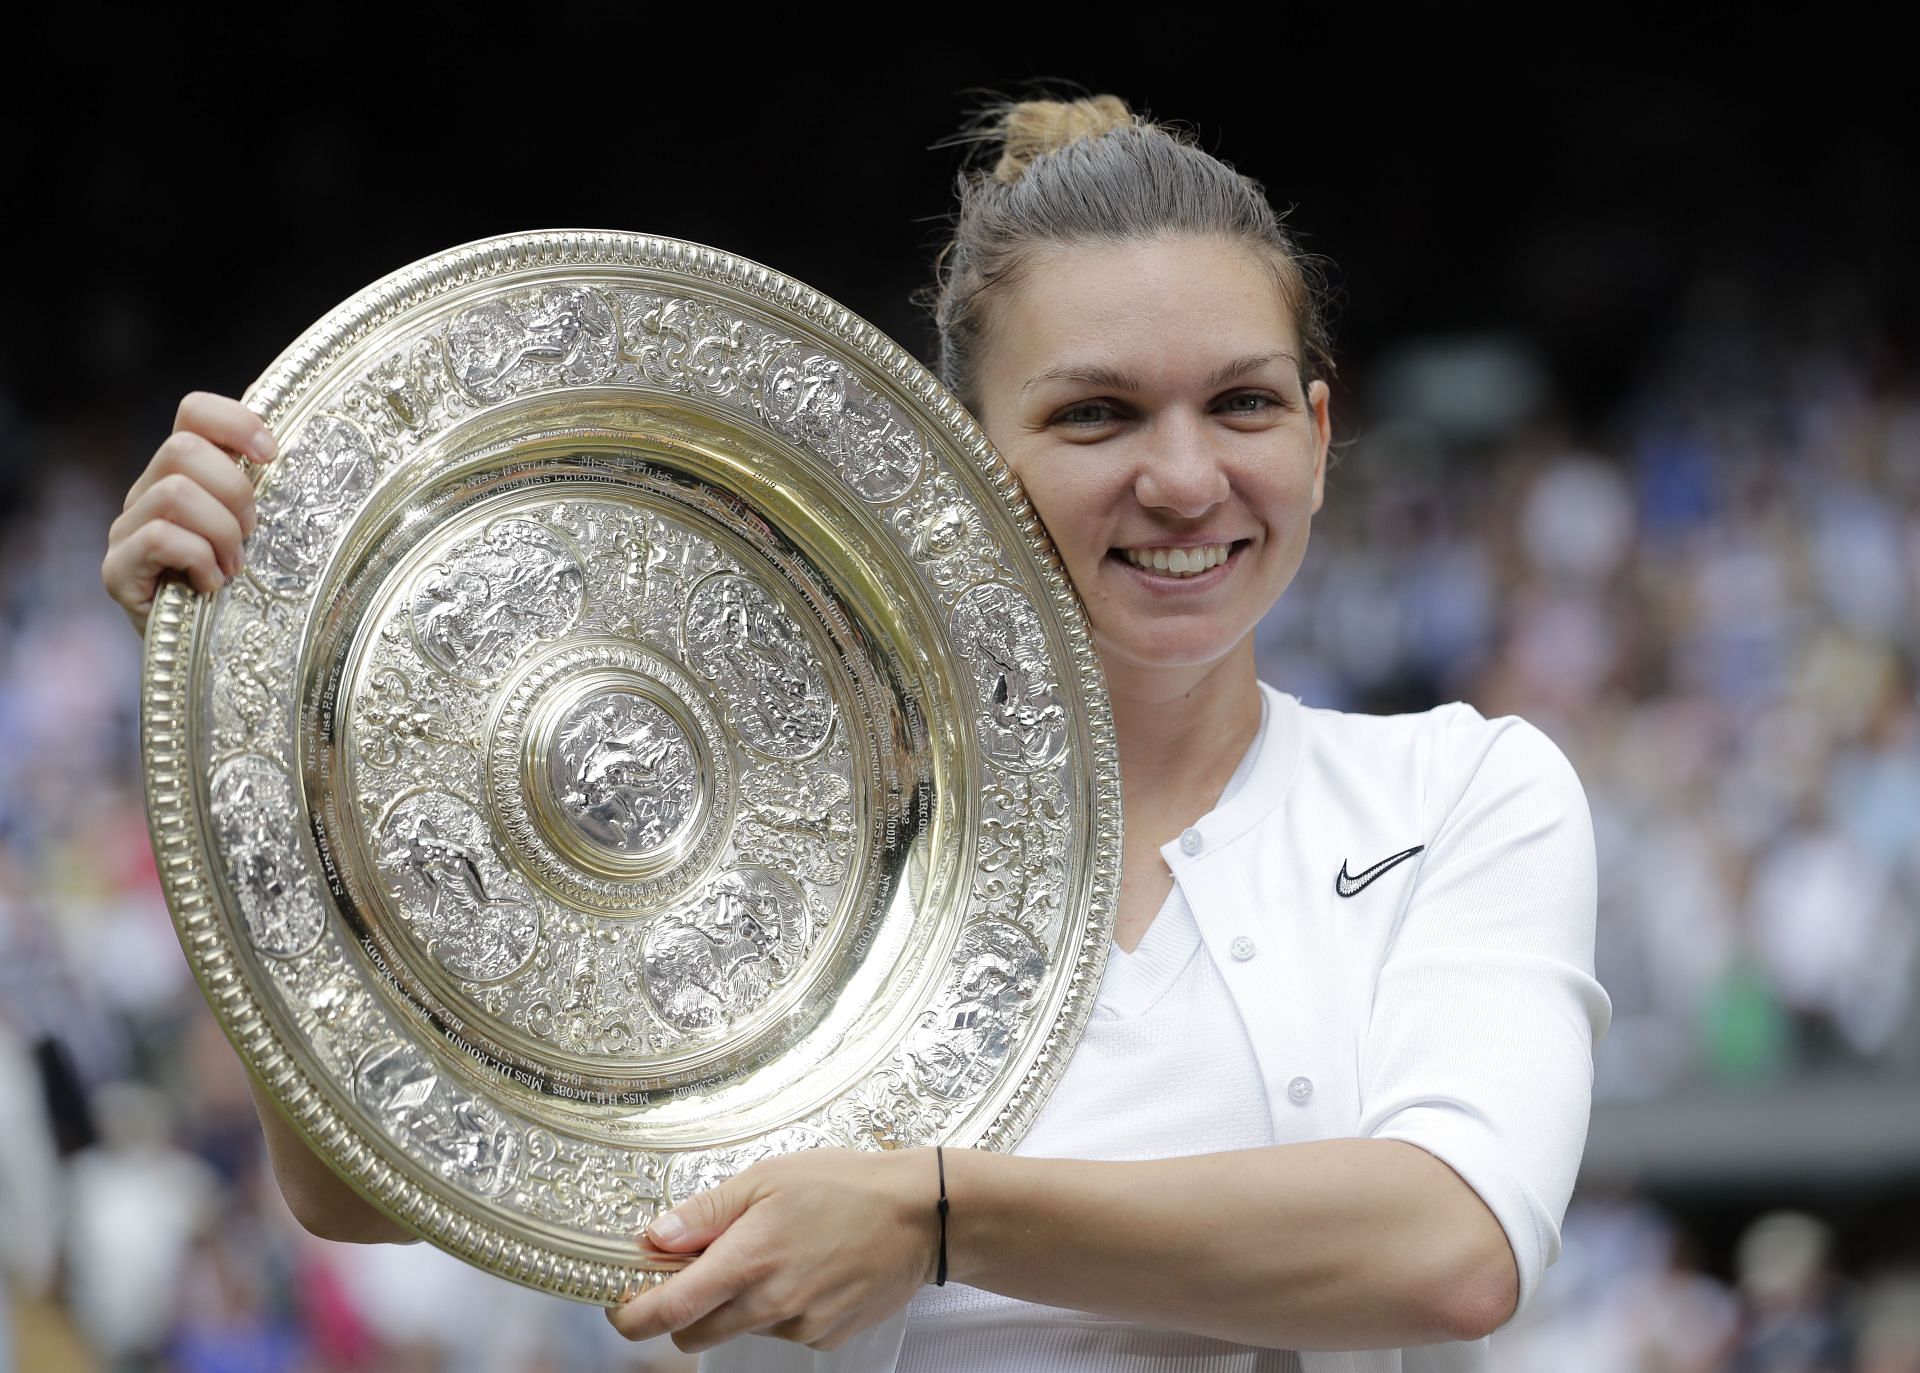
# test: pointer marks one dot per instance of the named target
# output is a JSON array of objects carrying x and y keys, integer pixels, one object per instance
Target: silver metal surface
[{"x": 651, "y": 733}]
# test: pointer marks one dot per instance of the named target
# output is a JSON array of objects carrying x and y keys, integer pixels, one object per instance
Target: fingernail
[
  {"x": 667, "y": 1227},
  {"x": 262, "y": 447}
]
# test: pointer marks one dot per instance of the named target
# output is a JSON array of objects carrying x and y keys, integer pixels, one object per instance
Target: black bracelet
[{"x": 941, "y": 1159}]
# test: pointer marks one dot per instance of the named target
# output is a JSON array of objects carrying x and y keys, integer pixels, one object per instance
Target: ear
[{"x": 1319, "y": 396}]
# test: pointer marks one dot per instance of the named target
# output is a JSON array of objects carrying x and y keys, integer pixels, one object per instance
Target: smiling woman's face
[{"x": 1148, "y": 397}]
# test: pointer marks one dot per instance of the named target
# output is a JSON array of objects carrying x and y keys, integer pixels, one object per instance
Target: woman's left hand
[{"x": 812, "y": 1247}]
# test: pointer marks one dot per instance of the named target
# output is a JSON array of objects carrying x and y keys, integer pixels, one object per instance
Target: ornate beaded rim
[{"x": 176, "y": 644}]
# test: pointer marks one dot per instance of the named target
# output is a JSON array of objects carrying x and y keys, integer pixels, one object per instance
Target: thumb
[{"x": 697, "y": 1222}]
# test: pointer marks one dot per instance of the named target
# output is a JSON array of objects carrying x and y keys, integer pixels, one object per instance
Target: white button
[
  {"x": 1300, "y": 1089},
  {"x": 1241, "y": 948},
  {"x": 1191, "y": 842}
]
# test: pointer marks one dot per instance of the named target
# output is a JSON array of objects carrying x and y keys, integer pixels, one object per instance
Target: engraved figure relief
[
  {"x": 690, "y": 346},
  {"x": 256, "y": 822},
  {"x": 943, "y": 531},
  {"x": 310, "y": 494},
  {"x": 957, "y": 1046},
  {"x": 634, "y": 557},
  {"x": 247, "y": 656},
  {"x": 797, "y": 820},
  {"x": 523, "y": 725},
  {"x": 407, "y": 393},
  {"x": 333, "y": 1008},
  {"x": 584, "y": 992},
  {"x": 624, "y": 773},
  {"x": 639, "y": 567},
  {"x": 701, "y": 1169},
  {"x": 475, "y": 916},
  {"x": 884, "y": 1113},
  {"x": 748, "y": 647},
  {"x": 998, "y": 634},
  {"x": 559, "y": 335},
  {"x": 253, "y": 652},
  {"x": 1022, "y": 872},
  {"x": 401, "y": 723},
  {"x": 464, "y": 1139},
  {"x": 707, "y": 966},
  {"x": 620, "y": 557},
  {"x": 575, "y": 1184},
  {"x": 820, "y": 404},
  {"x": 493, "y": 595},
  {"x": 616, "y": 554}
]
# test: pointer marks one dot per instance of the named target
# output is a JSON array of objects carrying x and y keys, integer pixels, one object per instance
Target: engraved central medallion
[
  {"x": 611, "y": 774},
  {"x": 622, "y": 773}
]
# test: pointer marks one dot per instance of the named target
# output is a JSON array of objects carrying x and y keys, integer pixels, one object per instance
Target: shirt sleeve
[{"x": 1479, "y": 1046}]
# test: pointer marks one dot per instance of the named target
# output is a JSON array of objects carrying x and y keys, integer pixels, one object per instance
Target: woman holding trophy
[{"x": 1330, "y": 1104}]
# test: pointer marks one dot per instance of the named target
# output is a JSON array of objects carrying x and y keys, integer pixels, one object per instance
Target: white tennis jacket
[{"x": 1448, "y": 1001}]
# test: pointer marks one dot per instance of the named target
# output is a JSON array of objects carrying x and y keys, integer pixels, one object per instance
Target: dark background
[{"x": 192, "y": 199}]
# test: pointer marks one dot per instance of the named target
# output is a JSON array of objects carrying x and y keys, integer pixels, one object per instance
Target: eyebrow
[{"x": 1109, "y": 379}]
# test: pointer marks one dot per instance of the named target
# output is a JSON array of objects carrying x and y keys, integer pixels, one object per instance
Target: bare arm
[
  {"x": 1337, "y": 1244},
  {"x": 319, "y": 1200}
]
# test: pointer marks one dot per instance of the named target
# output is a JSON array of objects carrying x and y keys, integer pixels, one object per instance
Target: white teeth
[{"x": 1179, "y": 562}]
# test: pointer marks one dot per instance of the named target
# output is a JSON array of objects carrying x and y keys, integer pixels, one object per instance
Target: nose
[{"x": 1184, "y": 471}]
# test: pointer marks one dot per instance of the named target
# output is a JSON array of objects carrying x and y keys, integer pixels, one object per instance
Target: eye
[
  {"x": 1251, "y": 403},
  {"x": 1086, "y": 413}
]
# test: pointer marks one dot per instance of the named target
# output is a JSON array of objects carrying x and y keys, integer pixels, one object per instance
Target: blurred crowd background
[{"x": 1681, "y": 534}]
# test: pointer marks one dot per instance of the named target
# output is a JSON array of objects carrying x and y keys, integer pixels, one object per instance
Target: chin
[{"x": 1165, "y": 652}]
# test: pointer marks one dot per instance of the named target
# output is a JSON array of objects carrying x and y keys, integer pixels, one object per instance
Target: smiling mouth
[{"x": 1173, "y": 562}]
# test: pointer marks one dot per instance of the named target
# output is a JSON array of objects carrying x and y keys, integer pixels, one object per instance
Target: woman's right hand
[{"x": 192, "y": 508}]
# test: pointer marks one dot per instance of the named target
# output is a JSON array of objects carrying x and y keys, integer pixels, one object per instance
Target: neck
[{"x": 1180, "y": 733}]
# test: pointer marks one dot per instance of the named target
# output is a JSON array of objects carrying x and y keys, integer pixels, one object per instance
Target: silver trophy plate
[{"x": 652, "y": 732}]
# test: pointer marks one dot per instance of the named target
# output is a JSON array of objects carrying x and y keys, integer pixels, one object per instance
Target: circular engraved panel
[
  {"x": 252, "y": 804},
  {"x": 740, "y": 640},
  {"x": 474, "y": 611},
  {"x": 611, "y": 774},
  {"x": 650, "y": 733},
  {"x": 623, "y": 773},
  {"x": 475, "y": 916},
  {"x": 719, "y": 958},
  {"x": 1022, "y": 719}
]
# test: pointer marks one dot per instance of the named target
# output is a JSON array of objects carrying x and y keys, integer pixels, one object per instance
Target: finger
[
  {"x": 699, "y": 1220},
  {"x": 134, "y": 566},
  {"x": 182, "y": 501},
  {"x": 195, "y": 458},
  {"x": 227, "y": 422},
  {"x": 818, "y": 1329},
  {"x": 729, "y": 1320},
  {"x": 764, "y": 1302},
  {"x": 677, "y": 1303}
]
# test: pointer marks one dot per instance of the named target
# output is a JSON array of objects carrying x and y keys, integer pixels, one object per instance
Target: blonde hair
[{"x": 1090, "y": 170}]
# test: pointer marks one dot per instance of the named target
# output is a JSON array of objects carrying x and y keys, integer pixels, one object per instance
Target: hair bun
[{"x": 1032, "y": 128}]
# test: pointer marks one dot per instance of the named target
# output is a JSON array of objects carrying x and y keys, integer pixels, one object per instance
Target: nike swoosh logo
[{"x": 1353, "y": 884}]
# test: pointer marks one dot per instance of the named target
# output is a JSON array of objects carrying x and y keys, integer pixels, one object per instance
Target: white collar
[{"x": 1260, "y": 788}]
